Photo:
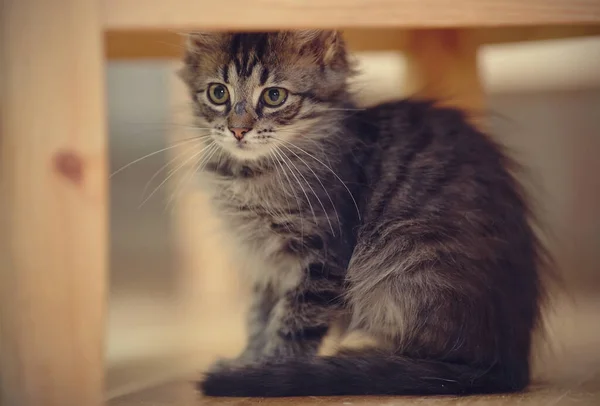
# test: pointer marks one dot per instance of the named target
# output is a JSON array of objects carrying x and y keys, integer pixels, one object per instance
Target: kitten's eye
[
  {"x": 218, "y": 93},
  {"x": 275, "y": 96}
]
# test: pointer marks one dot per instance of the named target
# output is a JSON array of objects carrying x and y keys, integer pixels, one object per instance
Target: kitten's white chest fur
[{"x": 256, "y": 246}]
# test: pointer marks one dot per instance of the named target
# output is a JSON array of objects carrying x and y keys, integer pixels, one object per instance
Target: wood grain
[
  {"x": 157, "y": 44},
  {"x": 567, "y": 371},
  {"x": 183, "y": 394},
  {"x": 276, "y": 14},
  {"x": 53, "y": 203},
  {"x": 442, "y": 65}
]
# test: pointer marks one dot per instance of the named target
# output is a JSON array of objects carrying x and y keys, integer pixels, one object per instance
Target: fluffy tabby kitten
[{"x": 400, "y": 221}]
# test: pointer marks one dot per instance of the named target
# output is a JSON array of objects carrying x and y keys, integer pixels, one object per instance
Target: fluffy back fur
[{"x": 402, "y": 222}]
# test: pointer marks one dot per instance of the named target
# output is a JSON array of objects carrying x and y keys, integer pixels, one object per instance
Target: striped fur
[{"x": 401, "y": 220}]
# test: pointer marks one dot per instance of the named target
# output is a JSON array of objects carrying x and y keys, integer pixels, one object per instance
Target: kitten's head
[{"x": 255, "y": 91}]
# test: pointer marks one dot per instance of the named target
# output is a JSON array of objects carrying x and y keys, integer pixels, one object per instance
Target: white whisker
[
  {"x": 313, "y": 191},
  {"x": 191, "y": 172},
  {"x": 280, "y": 180},
  {"x": 299, "y": 184},
  {"x": 275, "y": 152},
  {"x": 331, "y": 170},
  {"x": 342, "y": 109},
  {"x": 315, "y": 194},
  {"x": 171, "y": 174},
  {"x": 158, "y": 172},
  {"x": 187, "y": 140},
  {"x": 324, "y": 189}
]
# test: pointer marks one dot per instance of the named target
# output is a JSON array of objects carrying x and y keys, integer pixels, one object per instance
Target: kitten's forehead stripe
[
  {"x": 251, "y": 65},
  {"x": 264, "y": 76},
  {"x": 225, "y": 73},
  {"x": 238, "y": 66},
  {"x": 248, "y": 51},
  {"x": 261, "y": 45}
]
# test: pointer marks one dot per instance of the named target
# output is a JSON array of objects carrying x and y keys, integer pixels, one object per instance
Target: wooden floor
[
  {"x": 183, "y": 394},
  {"x": 568, "y": 370}
]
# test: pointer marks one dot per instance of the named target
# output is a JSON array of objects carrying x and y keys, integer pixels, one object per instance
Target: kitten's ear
[
  {"x": 308, "y": 36},
  {"x": 199, "y": 46},
  {"x": 328, "y": 44},
  {"x": 198, "y": 42},
  {"x": 334, "y": 47}
]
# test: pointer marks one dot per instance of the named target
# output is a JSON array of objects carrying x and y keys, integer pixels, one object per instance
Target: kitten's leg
[
  {"x": 261, "y": 305},
  {"x": 302, "y": 317},
  {"x": 262, "y": 302},
  {"x": 293, "y": 324}
]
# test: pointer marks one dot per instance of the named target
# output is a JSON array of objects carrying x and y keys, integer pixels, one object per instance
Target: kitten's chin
[{"x": 246, "y": 152}]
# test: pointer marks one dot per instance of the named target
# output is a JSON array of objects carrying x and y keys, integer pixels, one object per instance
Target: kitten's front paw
[
  {"x": 221, "y": 379},
  {"x": 223, "y": 365},
  {"x": 227, "y": 364}
]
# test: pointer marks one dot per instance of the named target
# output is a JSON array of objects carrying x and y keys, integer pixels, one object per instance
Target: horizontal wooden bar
[
  {"x": 156, "y": 44},
  {"x": 133, "y": 44},
  {"x": 277, "y": 14},
  {"x": 504, "y": 35}
]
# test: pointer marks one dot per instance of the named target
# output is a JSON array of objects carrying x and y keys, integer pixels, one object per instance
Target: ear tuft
[
  {"x": 198, "y": 42},
  {"x": 305, "y": 37},
  {"x": 334, "y": 47},
  {"x": 327, "y": 44}
]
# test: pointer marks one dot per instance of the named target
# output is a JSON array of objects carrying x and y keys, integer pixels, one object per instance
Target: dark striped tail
[{"x": 361, "y": 374}]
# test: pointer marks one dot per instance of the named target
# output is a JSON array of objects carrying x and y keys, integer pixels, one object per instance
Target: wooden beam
[
  {"x": 53, "y": 202},
  {"x": 128, "y": 45},
  {"x": 504, "y": 35},
  {"x": 277, "y": 14},
  {"x": 155, "y": 44},
  {"x": 442, "y": 65}
]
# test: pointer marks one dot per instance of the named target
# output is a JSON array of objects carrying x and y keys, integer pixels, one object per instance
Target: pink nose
[{"x": 239, "y": 133}]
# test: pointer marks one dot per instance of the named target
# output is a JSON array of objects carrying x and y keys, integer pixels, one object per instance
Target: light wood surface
[
  {"x": 157, "y": 44},
  {"x": 275, "y": 14},
  {"x": 53, "y": 203},
  {"x": 567, "y": 371},
  {"x": 183, "y": 394},
  {"x": 442, "y": 65},
  {"x": 507, "y": 35}
]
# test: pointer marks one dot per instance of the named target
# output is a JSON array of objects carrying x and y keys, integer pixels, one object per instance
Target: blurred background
[{"x": 175, "y": 304}]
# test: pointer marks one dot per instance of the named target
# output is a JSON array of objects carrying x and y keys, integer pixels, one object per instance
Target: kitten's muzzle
[{"x": 239, "y": 132}]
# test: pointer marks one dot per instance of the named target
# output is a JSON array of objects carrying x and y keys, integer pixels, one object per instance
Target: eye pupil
[
  {"x": 274, "y": 95},
  {"x": 219, "y": 92}
]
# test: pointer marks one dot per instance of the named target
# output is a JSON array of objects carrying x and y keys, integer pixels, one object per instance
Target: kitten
[{"x": 400, "y": 221}]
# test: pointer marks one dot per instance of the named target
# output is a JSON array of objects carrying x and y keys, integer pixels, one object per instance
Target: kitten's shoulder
[
  {"x": 414, "y": 112},
  {"x": 427, "y": 123}
]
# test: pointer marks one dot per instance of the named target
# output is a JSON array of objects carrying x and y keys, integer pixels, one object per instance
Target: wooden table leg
[
  {"x": 442, "y": 64},
  {"x": 53, "y": 203}
]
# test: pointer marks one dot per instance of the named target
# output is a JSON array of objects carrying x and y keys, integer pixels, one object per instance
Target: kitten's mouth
[
  {"x": 245, "y": 150},
  {"x": 242, "y": 149}
]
